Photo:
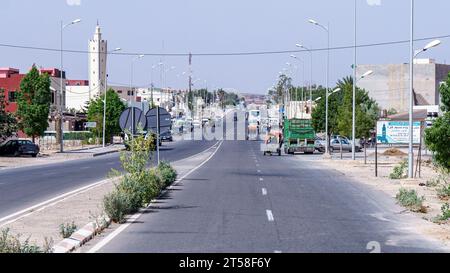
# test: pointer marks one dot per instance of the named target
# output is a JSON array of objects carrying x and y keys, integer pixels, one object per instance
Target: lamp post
[
  {"x": 61, "y": 98},
  {"x": 311, "y": 73},
  {"x": 104, "y": 104},
  {"x": 354, "y": 86},
  {"x": 368, "y": 73},
  {"x": 414, "y": 54},
  {"x": 327, "y": 29},
  {"x": 133, "y": 94}
]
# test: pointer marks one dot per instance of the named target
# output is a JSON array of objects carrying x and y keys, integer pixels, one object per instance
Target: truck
[{"x": 299, "y": 136}]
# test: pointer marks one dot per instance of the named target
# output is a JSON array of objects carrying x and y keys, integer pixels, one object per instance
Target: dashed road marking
[
  {"x": 261, "y": 179},
  {"x": 277, "y": 252},
  {"x": 270, "y": 215},
  {"x": 264, "y": 191},
  {"x": 259, "y": 171}
]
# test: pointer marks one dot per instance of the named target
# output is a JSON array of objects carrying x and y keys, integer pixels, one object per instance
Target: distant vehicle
[
  {"x": 254, "y": 116},
  {"x": 205, "y": 121},
  {"x": 19, "y": 147},
  {"x": 346, "y": 143},
  {"x": 197, "y": 124},
  {"x": 272, "y": 144},
  {"x": 299, "y": 136},
  {"x": 166, "y": 136}
]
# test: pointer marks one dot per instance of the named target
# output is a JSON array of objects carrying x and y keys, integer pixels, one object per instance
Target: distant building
[
  {"x": 77, "y": 94},
  {"x": 389, "y": 84},
  {"x": 98, "y": 50},
  {"x": 10, "y": 79}
]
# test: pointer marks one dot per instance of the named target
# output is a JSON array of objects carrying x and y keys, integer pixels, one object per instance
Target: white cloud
[
  {"x": 73, "y": 2},
  {"x": 374, "y": 2}
]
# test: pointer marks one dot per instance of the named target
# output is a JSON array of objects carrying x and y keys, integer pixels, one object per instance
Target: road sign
[
  {"x": 165, "y": 120},
  {"x": 397, "y": 132},
  {"x": 90, "y": 124},
  {"x": 128, "y": 116}
]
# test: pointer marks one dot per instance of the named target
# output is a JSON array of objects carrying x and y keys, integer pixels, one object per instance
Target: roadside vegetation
[
  {"x": 13, "y": 244},
  {"x": 409, "y": 199},
  {"x": 140, "y": 185},
  {"x": 66, "y": 230},
  {"x": 399, "y": 171}
]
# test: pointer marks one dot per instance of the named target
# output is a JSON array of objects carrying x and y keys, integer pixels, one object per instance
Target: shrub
[
  {"x": 132, "y": 187},
  {"x": 13, "y": 244},
  {"x": 410, "y": 200},
  {"x": 167, "y": 173},
  {"x": 116, "y": 206},
  {"x": 441, "y": 179},
  {"x": 66, "y": 230},
  {"x": 445, "y": 212},
  {"x": 444, "y": 192},
  {"x": 152, "y": 185},
  {"x": 399, "y": 171}
]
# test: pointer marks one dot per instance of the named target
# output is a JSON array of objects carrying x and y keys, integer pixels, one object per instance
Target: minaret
[{"x": 98, "y": 49}]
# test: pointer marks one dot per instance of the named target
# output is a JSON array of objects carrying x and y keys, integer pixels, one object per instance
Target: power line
[{"x": 223, "y": 54}]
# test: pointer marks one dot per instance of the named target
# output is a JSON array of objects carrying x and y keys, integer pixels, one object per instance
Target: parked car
[
  {"x": 335, "y": 144},
  {"x": 19, "y": 147}
]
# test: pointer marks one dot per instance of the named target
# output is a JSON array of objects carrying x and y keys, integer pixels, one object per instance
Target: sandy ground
[{"x": 365, "y": 174}]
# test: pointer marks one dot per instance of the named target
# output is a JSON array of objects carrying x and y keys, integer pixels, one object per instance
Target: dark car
[
  {"x": 166, "y": 136},
  {"x": 19, "y": 147}
]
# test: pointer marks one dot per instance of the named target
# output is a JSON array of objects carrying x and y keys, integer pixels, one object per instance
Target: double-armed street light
[
  {"x": 327, "y": 30},
  {"x": 133, "y": 93}
]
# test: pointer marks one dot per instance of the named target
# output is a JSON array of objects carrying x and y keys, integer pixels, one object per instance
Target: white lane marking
[
  {"x": 136, "y": 216},
  {"x": 270, "y": 215},
  {"x": 277, "y": 252},
  {"x": 50, "y": 202},
  {"x": 259, "y": 171},
  {"x": 264, "y": 191},
  {"x": 261, "y": 179}
]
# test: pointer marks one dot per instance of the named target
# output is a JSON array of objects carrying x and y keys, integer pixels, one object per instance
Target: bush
[
  {"x": 13, "y": 244},
  {"x": 410, "y": 200},
  {"x": 445, "y": 213},
  {"x": 441, "y": 179},
  {"x": 444, "y": 192},
  {"x": 399, "y": 171},
  {"x": 152, "y": 185},
  {"x": 167, "y": 173},
  {"x": 116, "y": 206},
  {"x": 132, "y": 187},
  {"x": 66, "y": 230}
]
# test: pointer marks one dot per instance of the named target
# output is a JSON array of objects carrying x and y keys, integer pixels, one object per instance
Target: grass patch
[
  {"x": 399, "y": 171},
  {"x": 409, "y": 199},
  {"x": 13, "y": 244},
  {"x": 66, "y": 230},
  {"x": 444, "y": 192}
]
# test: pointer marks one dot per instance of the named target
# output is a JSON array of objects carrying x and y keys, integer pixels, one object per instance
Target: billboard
[{"x": 397, "y": 132}]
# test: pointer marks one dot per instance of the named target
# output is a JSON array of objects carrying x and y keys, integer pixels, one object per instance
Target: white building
[
  {"x": 98, "y": 50},
  {"x": 77, "y": 94}
]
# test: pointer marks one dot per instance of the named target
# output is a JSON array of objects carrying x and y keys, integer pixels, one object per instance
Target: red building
[{"x": 10, "y": 80}]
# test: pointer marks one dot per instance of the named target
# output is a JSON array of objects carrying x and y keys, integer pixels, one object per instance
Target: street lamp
[
  {"x": 104, "y": 104},
  {"x": 414, "y": 55},
  {"x": 76, "y": 21},
  {"x": 311, "y": 73},
  {"x": 133, "y": 93},
  {"x": 365, "y": 75},
  {"x": 327, "y": 29}
]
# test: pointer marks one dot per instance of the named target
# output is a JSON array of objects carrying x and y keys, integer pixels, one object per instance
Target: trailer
[{"x": 299, "y": 136}]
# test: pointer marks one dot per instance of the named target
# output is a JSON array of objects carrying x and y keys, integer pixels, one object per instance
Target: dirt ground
[{"x": 365, "y": 174}]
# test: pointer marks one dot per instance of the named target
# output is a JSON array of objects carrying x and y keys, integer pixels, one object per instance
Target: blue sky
[{"x": 210, "y": 26}]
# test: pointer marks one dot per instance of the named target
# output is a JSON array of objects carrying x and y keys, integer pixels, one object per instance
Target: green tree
[
  {"x": 284, "y": 84},
  {"x": 8, "y": 123},
  {"x": 366, "y": 110},
  {"x": 437, "y": 137},
  {"x": 319, "y": 112},
  {"x": 34, "y": 99},
  {"x": 114, "y": 107}
]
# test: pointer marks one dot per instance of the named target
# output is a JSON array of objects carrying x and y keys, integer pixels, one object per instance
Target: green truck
[{"x": 299, "y": 136}]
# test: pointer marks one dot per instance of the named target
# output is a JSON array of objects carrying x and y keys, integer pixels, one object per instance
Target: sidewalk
[{"x": 56, "y": 157}]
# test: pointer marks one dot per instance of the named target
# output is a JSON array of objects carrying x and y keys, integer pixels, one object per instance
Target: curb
[
  {"x": 80, "y": 237},
  {"x": 106, "y": 153}
]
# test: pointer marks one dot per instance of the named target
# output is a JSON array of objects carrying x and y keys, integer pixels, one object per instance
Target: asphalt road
[
  {"x": 28, "y": 186},
  {"x": 241, "y": 201}
]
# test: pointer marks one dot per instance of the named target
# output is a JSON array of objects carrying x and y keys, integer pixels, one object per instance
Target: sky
[{"x": 218, "y": 26}]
